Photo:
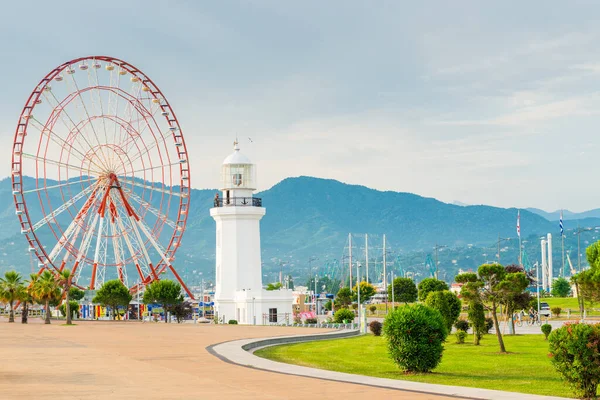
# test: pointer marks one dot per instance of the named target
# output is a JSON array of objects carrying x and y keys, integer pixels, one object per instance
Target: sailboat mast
[{"x": 367, "y": 254}]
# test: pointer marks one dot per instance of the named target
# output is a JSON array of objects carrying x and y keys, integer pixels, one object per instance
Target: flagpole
[
  {"x": 519, "y": 232},
  {"x": 562, "y": 237}
]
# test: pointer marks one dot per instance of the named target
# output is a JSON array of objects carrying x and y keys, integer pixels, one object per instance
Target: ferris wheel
[{"x": 100, "y": 174}]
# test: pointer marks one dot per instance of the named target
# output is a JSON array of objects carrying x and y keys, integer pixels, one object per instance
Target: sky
[{"x": 494, "y": 103}]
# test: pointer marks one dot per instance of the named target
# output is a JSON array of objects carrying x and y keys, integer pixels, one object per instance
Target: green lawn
[{"x": 526, "y": 369}]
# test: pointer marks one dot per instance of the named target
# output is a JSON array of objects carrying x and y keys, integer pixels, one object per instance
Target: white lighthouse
[{"x": 239, "y": 294}]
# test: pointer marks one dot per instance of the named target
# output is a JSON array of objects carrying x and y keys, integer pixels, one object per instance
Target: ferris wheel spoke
[
  {"x": 149, "y": 207},
  {"x": 80, "y": 134},
  {"x": 143, "y": 186},
  {"x": 39, "y": 189},
  {"x": 62, "y": 208},
  {"x": 45, "y": 160},
  {"x": 58, "y": 140},
  {"x": 130, "y": 142},
  {"x": 75, "y": 225},
  {"x": 142, "y": 262},
  {"x": 151, "y": 146},
  {"x": 78, "y": 92}
]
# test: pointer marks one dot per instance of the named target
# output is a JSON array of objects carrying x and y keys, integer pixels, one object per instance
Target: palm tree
[
  {"x": 64, "y": 280},
  {"x": 10, "y": 286},
  {"x": 26, "y": 296},
  {"x": 46, "y": 289}
]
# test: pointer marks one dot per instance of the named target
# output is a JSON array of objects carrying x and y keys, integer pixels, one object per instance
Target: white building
[{"x": 239, "y": 292}]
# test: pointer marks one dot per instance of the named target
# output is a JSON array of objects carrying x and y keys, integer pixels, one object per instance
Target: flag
[
  {"x": 560, "y": 223},
  {"x": 519, "y": 223}
]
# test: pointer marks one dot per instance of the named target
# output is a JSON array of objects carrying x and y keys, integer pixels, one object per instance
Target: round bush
[
  {"x": 460, "y": 336},
  {"x": 556, "y": 311},
  {"x": 415, "y": 336},
  {"x": 575, "y": 353},
  {"x": 311, "y": 321},
  {"x": 375, "y": 327},
  {"x": 343, "y": 314},
  {"x": 462, "y": 325},
  {"x": 232, "y": 322},
  {"x": 546, "y": 329}
]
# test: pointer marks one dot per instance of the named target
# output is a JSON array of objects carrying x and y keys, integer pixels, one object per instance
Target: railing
[{"x": 238, "y": 202}]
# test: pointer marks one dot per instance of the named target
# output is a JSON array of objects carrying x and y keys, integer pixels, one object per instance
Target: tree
[
  {"x": 366, "y": 291},
  {"x": 515, "y": 300},
  {"x": 476, "y": 316},
  {"x": 64, "y": 279},
  {"x": 76, "y": 293},
  {"x": 561, "y": 288},
  {"x": 447, "y": 303},
  {"x": 587, "y": 283},
  {"x": 113, "y": 294},
  {"x": 343, "y": 298},
  {"x": 182, "y": 311},
  {"x": 73, "y": 308},
  {"x": 10, "y": 287},
  {"x": 405, "y": 290},
  {"x": 491, "y": 286},
  {"x": 274, "y": 286},
  {"x": 26, "y": 297},
  {"x": 46, "y": 290},
  {"x": 430, "y": 285},
  {"x": 164, "y": 292}
]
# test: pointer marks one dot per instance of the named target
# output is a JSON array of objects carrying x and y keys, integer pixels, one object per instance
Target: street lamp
[
  {"x": 253, "y": 312},
  {"x": 500, "y": 240},
  {"x": 358, "y": 291},
  {"x": 578, "y": 232}
]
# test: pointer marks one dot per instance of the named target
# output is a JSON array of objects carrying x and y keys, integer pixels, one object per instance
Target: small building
[{"x": 239, "y": 293}]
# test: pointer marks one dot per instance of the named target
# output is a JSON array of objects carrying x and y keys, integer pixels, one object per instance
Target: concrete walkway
[
  {"x": 128, "y": 360},
  {"x": 240, "y": 352}
]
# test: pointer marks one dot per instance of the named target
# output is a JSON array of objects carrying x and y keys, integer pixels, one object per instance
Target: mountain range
[{"x": 310, "y": 218}]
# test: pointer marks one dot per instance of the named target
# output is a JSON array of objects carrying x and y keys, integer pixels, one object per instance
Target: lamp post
[
  {"x": 578, "y": 232},
  {"x": 500, "y": 240},
  {"x": 253, "y": 312},
  {"x": 358, "y": 292},
  {"x": 316, "y": 280}
]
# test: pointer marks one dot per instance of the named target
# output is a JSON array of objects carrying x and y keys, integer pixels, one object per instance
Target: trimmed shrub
[
  {"x": 343, "y": 314},
  {"x": 375, "y": 327},
  {"x": 462, "y": 325},
  {"x": 232, "y": 322},
  {"x": 476, "y": 315},
  {"x": 546, "y": 329},
  {"x": 311, "y": 321},
  {"x": 373, "y": 308},
  {"x": 415, "y": 336},
  {"x": 447, "y": 303},
  {"x": 556, "y": 311},
  {"x": 460, "y": 337},
  {"x": 428, "y": 285},
  {"x": 489, "y": 324},
  {"x": 575, "y": 353}
]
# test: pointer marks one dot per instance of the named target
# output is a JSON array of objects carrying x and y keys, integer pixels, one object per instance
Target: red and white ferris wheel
[{"x": 100, "y": 174}]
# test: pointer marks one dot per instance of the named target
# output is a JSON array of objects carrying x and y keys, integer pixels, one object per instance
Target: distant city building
[{"x": 239, "y": 292}]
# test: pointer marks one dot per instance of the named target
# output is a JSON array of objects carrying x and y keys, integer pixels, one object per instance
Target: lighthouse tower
[{"x": 239, "y": 293}]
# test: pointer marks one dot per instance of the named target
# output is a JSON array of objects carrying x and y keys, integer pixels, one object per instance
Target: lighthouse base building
[{"x": 239, "y": 293}]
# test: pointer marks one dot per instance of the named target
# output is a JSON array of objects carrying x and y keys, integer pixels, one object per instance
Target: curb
[{"x": 240, "y": 352}]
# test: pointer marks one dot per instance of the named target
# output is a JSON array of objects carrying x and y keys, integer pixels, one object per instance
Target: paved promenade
[{"x": 108, "y": 360}]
